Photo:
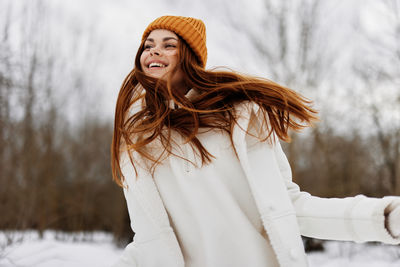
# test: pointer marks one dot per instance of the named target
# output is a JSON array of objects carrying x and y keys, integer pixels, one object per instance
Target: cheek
[
  {"x": 173, "y": 59},
  {"x": 142, "y": 60}
]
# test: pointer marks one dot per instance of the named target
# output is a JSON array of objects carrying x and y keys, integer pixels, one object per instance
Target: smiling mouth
[{"x": 156, "y": 65}]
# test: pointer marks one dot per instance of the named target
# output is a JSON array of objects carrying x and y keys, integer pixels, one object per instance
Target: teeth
[{"x": 156, "y": 64}]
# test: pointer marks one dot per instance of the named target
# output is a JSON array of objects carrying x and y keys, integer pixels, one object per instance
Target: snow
[
  {"x": 57, "y": 249},
  {"x": 350, "y": 254}
]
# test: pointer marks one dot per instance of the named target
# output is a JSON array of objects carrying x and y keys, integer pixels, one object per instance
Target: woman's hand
[{"x": 392, "y": 220}]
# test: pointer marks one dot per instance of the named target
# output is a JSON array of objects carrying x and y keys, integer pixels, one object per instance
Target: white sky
[{"x": 113, "y": 29}]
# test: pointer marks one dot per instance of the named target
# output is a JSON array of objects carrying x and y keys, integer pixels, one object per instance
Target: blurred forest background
[{"x": 55, "y": 128}]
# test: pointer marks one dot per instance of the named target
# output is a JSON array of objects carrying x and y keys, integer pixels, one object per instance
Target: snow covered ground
[
  {"x": 58, "y": 250},
  {"x": 97, "y": 249},
  {"x": 350, "y": 254}
]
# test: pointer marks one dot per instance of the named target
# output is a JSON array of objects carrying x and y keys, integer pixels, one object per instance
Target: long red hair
[{"x": 219, "y": 91}]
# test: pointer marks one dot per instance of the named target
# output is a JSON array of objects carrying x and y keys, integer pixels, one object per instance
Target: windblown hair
[{"x": 219, "y": 91}]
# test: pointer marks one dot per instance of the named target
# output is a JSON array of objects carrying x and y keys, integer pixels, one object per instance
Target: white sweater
[
  {"x": 169, "y": 231},
  {"x": 216, "y": 202}
]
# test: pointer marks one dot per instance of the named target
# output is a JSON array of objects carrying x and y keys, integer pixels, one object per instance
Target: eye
[
  {"x": 170, "y": 45},
  {"x": 147, "y": 47}
]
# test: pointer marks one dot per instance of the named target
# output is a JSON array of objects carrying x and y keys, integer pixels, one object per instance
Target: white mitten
[{"x": 393, "y": 220}]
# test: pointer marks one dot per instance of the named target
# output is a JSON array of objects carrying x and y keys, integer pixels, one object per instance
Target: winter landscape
[{"x": 61, "y": 66}]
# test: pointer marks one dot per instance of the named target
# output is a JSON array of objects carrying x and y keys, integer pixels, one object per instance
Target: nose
[{"x": 154, "y": 51}]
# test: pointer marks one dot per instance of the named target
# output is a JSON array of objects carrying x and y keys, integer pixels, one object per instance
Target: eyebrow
[{"x": 164, "y": 39}]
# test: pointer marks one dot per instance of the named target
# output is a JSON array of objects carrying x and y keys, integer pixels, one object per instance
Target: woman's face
[{"x": 160, "y": 55}]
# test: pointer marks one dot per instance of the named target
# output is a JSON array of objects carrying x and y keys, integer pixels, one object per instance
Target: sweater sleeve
[
  {"x": 129, "y": 255},
  {"x": 128, "y": 258},
  {"x": 358, "y": 218}
]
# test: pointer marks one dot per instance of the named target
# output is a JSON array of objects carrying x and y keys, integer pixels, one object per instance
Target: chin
[{"x": 155, "y": 75}]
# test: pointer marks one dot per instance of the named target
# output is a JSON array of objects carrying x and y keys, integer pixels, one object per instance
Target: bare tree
[
  {"x": 379, "y": 70},
  {"x": 294, "y": 45},
  {"x": 54, "y": 173}
]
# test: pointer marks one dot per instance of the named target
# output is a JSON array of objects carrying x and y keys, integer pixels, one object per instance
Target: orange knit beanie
[{"x": 192, "y": 30}]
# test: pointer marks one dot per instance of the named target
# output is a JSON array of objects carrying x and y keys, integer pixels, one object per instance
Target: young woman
[{"x": 205, "y": 179}]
